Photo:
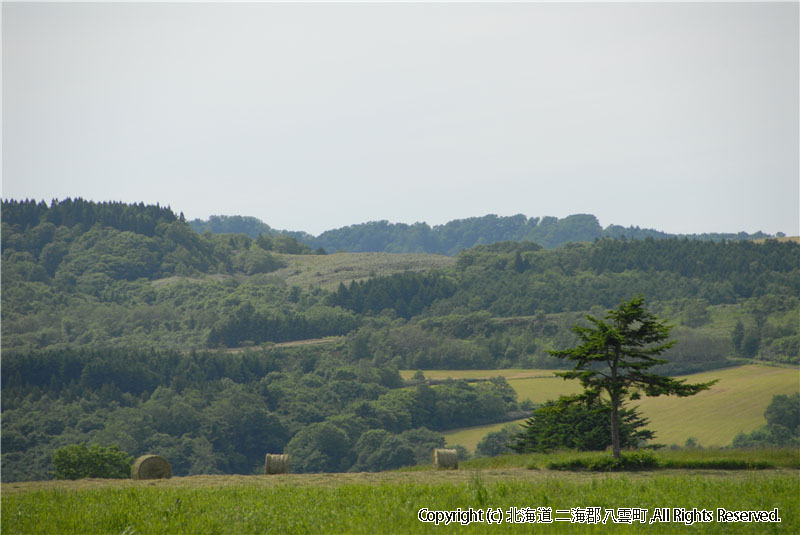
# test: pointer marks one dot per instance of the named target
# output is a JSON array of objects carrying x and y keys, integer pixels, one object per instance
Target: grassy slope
[
  {"x": 327, "y": 271},
  {"x": 736, "y": 403}
]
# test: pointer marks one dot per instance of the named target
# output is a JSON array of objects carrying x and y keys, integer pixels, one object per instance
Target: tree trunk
[
  {"x": 615, "y": 428},
  {"x": 614, "y": 394}
]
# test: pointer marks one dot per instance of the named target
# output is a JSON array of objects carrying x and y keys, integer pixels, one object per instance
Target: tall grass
[{"x": 392, "y": 508}]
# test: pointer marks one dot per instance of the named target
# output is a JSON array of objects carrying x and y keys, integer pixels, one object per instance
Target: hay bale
[
  {"x": 151, "y": 467},
  {"x": 445, "y": 458},
  {"x": 276, "y": 463}
]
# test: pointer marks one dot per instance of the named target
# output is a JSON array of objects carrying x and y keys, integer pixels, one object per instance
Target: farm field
[{"x": 735, "y": 404}]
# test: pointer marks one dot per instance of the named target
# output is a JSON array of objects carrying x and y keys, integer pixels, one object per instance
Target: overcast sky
[{"x": 677, "y": 116}]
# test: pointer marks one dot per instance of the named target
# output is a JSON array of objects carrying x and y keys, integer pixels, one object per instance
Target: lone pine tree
[{"x": 614, "y": 359}]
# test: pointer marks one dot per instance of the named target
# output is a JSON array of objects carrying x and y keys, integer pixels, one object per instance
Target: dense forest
[
  {"x": 219, "y": 413},
  {"x": 122, "y": 325},
  {"x": 455, "y": 236}
]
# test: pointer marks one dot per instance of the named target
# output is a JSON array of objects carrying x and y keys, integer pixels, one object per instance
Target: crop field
[
  {"x": 735, "y": 404},
  {"x": 391, "y": 502}
]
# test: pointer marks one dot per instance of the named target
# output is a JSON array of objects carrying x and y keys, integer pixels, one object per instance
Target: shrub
[
  {"x": 638, "y": 460},
  {"x": 78, "y": 461}
]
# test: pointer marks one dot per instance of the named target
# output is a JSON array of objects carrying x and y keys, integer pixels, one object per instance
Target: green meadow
[
  {"x": 390, "y": 502},
  {"x": 328, "y": 271},
  {"x": 735, "y": 404}
]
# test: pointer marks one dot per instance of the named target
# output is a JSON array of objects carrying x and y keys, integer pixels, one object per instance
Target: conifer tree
[{"x": 615, "y": 357}]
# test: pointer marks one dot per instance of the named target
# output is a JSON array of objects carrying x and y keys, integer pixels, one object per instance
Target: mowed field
[{"x": 713, "y": 417}]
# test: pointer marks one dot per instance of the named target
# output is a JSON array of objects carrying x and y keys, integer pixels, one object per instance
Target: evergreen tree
[
  {"x": 615, "y": 356},
  {"x": 585, "y": 427}
]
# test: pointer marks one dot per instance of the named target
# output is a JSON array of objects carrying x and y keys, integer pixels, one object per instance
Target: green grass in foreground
[{"x": 393, "y": 508}]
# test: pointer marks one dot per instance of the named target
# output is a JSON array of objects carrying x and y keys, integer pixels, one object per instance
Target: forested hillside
[
  {"x": 214, "y": 413},
  {"x": 457, "y": 235},
  {"x": 119, "y": 323}
]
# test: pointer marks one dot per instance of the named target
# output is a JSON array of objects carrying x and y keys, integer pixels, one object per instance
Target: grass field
[
  {"x": 735, "y": 404},
  {"x": 390, "y": 502},
  {"x": 327, "y": 271}
]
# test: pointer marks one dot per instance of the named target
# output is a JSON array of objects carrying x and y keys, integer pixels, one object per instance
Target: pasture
[
  {"x": 328, "y": 271},
  {"x": 713, "y": 417},
  {"x": 391, "y": 502}
]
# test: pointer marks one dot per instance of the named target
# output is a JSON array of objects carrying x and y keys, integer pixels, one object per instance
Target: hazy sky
[{"x": 677, "y": 116}]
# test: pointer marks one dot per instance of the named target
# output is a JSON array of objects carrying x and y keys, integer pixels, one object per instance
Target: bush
[
  {"x": 559, "y": 424},
  {"x": 496, "y": 442},
  {"x": 717, "y": 464},
  {"x": 79, "y": 461},
  {"x": 638, "y": 460}
]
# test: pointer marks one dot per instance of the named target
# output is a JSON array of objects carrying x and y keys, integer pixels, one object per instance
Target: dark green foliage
[
  {"x": 86, "y": 286},
  {"x": 247, "y": 324},
  {"x": 422, "y": 442},
  {"x": 782, "y": 428},
  {"x": 216, "y": 412},
  {"x": 496, "y": 442},
  {"x": 321, "y": 447},
  {"x": 380, "y": 450},
  {"x": 78, "y": 461},
  {"x": 136, "y": 218},
  {"x": 84, "y": 282},
  {"x": 580, "y": 276},
  {"x": 750, "y": 344},
  {"x": 784, "y": 410},
  {"x": 405, "y": 293},
  {"x": 127, "y": 370},
  {"x": 84, "y": 244},
  {"x": 614, "y": 359},
  {"x": 223, "y": 224},
  {"x": 638, "y": 460},
  {"x": 457, "y": 235},
  {"x": 716, "y": 464},
  {"x": 737, "y": 337},
  {"x": 560, "y": 424},
  {"x": 696, "y": 313},
  {"x": 266, "y": 237},
  {"x": 697, "y": 351}
]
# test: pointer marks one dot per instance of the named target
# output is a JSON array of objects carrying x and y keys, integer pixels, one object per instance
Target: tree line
[
  {"x": 407, "y": 294},
  {"x": 216, "y": 412},
  {"x": 457, "y": 235}
]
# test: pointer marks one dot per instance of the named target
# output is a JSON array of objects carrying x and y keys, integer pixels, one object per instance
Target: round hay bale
[
  {"x": 151, "y": 467},
  {"x": 276, "y": 463},
  {"x": 445, "y": 458}
]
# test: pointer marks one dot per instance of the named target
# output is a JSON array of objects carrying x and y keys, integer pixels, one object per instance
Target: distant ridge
[{"x": 454, "y": 236}]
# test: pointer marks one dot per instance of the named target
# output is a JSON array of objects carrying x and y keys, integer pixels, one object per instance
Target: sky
[{"x": 682, "y": 117}]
